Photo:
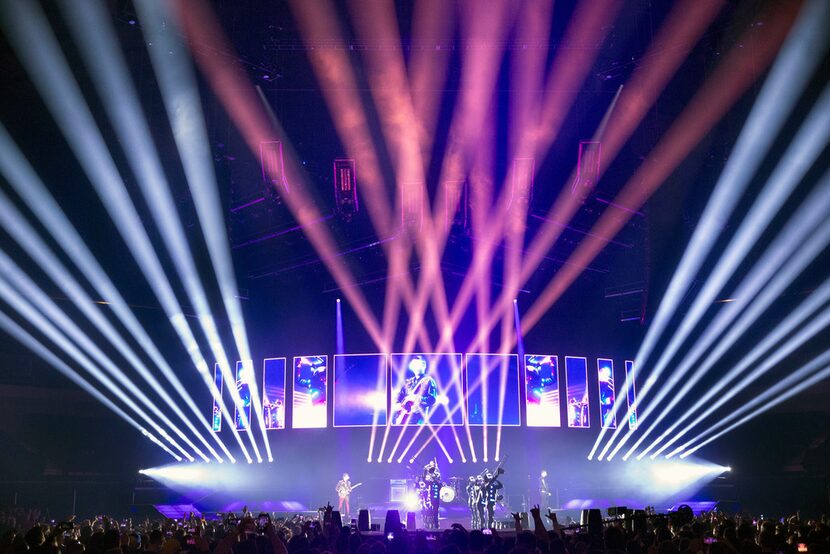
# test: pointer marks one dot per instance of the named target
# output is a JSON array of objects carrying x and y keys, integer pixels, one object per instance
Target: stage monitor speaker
[
  {"x": 364, "y": 521},
  {"x": 410, "y": 521},
  {"x": 617, "y": 511},
  {"x": 592, "y": 519},
  {"x": 392, "y": 523}
]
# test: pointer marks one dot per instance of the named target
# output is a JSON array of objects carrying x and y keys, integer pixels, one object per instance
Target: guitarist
[
  {"x": 344, "y": 488},
  {"x": 416, "y": 396}
]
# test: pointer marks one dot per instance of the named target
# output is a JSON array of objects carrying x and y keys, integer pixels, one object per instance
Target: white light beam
[
  {"x": 798, "y": 58},
  {"x": 37, "y": 347},
  {"x": 184, "y": 109},
  {"x": 28, "y": 185},
  {"x": 32, "y": 39}
]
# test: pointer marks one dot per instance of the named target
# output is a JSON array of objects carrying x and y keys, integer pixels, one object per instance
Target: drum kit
[{"x": 453, "y": 490}]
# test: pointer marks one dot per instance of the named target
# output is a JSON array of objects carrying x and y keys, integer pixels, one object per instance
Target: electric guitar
[
  {"x": 345, "y": 491},
  {"x": 404, "y": 409}
]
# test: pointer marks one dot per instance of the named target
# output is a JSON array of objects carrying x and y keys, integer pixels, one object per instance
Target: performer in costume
[
  {"x": 472, "y": 493},
  {"x": 578, "y": 411},
  {"x": 416, "y": 396},
  {"x": 274, "y": 414},
  {"x": 431, "y": 494},
  {"x": 491, "y": 495},
  {"x": 481, "y": 501}
]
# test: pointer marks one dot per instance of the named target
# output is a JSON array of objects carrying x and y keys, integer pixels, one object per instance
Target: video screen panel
[
  {"x": 310, "y": 400},
  {"x": 542, "y": 391},
  {"x": 216, "y": 419},
  {"x": 360, "y": 383},
  {"x": 427, "y": 388},
  {"x": 576, "y": 386},
  {"x": 605, "y": 382},
  {"x": 273, "y": 392},
  {"x": 632, "y": 394},
  {"x": 493, "y": 389},
  {"x": 244, "y": 378}
]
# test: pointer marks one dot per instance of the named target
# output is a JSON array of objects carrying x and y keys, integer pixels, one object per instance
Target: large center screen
[{"x": 426, "y": 388}]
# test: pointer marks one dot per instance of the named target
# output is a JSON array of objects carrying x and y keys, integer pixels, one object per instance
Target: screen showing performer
[
  {"x": 576, "y": 383},
  {"x": 542, "y": 391},
  {"x": 631, "y": 394},
  {"x": 273, "y": 392},
  {"x": 244, "y": 378},
  {"x": 605, "y": 380},
  {"x": 359, "y": 390},
  {"x": 217, "y": 410},
  {"x": 310, "y": 392},
  {"x": 426, "y": 389},
  {"x": 493, "y": 389}
]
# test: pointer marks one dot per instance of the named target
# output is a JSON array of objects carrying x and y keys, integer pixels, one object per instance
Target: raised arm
[{"x": 538, "y": 525}]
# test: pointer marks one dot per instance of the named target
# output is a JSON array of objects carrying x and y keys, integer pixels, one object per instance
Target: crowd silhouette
[{"x": 23, "y": 531}]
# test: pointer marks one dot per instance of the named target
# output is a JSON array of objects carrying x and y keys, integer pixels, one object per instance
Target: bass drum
[{"x": 447, "y": 494}]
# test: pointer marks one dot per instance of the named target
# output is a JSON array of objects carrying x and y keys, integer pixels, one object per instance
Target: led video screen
[
  {"x": 310, "y": 400},
  {"x": 244, "y": 378},
  {"x": 216, "y": 419},
  {"x": 273, "y": 393},
  {"x": 576, "y": 385},
  {"x": 360, "y": 384},
  {"x": 542, "y": 391},
  {"x": 426, "y": 388},
  {"x": 605, "y": 382},
  {"x": 493, "y": 389},
  {"x": 632, "y": 394}
]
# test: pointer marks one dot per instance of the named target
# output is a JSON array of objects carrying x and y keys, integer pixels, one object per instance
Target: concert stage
[{"x": 308, "y": 466}]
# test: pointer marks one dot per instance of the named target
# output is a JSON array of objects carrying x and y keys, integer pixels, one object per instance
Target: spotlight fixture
[
  {"x": 273, "y": 168},
  {"x": 412, "y": 207},
  {"x": 456, "y": 206},
  {"x": 523, "y": 170},
  {"x": 345, "y": 188},
  {"x": 587, "y": 166}
]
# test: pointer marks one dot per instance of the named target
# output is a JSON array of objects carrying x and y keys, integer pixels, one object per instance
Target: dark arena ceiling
[{"x": 286, "y": 287}]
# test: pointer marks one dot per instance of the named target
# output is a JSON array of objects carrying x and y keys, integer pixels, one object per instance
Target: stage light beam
[
  {"x": 775, "y": 395},
  {"x": 27, "y": 184},
  {"x": 27, "y": 311},
  {"x": 789, "y": 75},
  {"x": 180, "y": 94},
  {"x": 49, "y": 70},
  {"x": 17, "y": 332}
]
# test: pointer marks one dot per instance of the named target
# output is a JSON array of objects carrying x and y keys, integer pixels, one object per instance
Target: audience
[{"x": 22, "y": 532}]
